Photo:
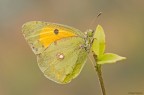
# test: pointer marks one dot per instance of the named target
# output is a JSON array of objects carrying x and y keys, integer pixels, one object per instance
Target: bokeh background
[{"x": 122, "y": 20}]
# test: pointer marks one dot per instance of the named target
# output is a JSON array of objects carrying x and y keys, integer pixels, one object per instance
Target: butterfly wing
[
  {"x": 40, "y": 35},
  {"x": 31, "y": 32},
  {"x": 63, "y": 61},
  {"x": 59, "y": 49}
]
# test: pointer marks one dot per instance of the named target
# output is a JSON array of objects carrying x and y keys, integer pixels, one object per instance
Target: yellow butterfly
[{"x": 61, "y": 50}]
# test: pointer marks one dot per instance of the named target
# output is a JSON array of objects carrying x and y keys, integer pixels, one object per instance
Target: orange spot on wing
[{"x": 47, "y": 35}]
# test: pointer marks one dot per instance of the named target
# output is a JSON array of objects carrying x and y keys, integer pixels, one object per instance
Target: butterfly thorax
[{"x": 88, "y": 39}]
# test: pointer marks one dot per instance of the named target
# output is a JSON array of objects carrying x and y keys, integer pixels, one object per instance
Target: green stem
[{"x": 99, "y": 73}]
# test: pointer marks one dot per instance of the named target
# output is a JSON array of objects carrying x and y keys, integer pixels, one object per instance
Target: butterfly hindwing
[{"x": 63, "y": 69}]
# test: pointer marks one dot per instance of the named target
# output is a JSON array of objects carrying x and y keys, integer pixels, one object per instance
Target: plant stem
[{"x": 99, "y": 73}]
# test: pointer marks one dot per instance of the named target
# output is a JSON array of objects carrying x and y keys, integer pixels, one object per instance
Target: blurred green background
[{"x": 122, "y": 20}]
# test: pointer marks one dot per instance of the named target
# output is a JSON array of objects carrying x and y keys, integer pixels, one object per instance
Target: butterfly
[{"x": 61, "y": 50}]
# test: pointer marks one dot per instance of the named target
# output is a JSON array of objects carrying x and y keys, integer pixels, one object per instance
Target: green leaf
[
  {"x": 98, "y": 46},
  {"x": 110, "y": 58}
]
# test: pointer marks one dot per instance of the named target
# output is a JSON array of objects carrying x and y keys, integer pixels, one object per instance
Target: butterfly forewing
[
  {"x": 31, "y": 32},
  {"x": 40, "y": 35}
]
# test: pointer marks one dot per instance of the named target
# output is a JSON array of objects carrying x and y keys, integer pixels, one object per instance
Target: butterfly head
[{"x": 89, "y": 33}]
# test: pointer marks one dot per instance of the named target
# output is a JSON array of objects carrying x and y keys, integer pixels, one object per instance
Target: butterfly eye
[{"x": 60, "y": 56}]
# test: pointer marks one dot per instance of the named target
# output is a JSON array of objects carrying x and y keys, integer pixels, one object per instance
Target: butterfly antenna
[{"x": 95, "y": 19}]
